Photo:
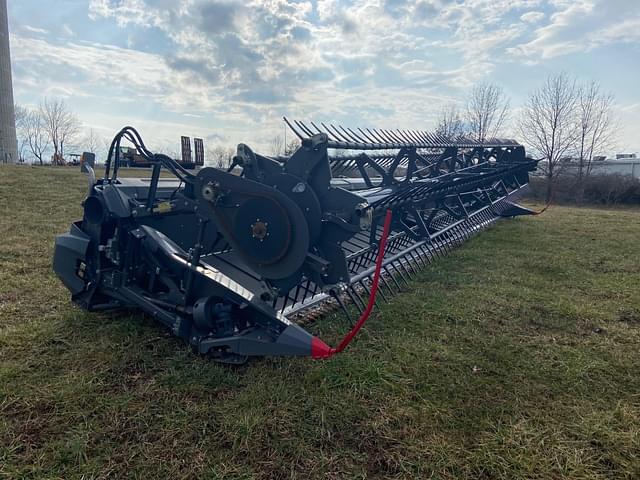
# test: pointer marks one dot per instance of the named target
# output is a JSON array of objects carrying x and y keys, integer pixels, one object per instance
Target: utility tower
[{"x": 8, "y": 142}]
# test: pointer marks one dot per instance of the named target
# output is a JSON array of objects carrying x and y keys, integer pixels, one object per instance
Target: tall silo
[{"x": 8, "y": 143}]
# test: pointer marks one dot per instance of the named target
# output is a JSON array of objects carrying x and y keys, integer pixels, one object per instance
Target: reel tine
[
  {"x": 306, "y": 291},
  {"x": 415, "y": 139},
  {"x": 422, "y": 136},
  {"x": 393, "y": 277},
  {"x": 331, "y": 130},
  {"x": 295, "y": 295},
  {"x": 411, "y": 263},
  {"x": 382, "y": 134},
  {"x": 293, "y": 129},
  {"x": 402, "y": 134},
  {"x": 355, "y": 298},
  {"x": 322, "y": 131},
  {"x": 350, "y": 135},
  {"x": 416, "y": 259},
  {"x": 369, "y": 139},
  {"x": 395, "y": 136},
  {"x": 407, "y": 133},
  {"x": 304, "y": 128},
  {"x": 380, "y": 291},
  {"x": 403, "y": 268},
  {"x": 398, "y": 273},
  {"x": 386, "y": 284},
  {"x": 284, "y": 303},
  {"x": 435, "y": 250},
  {"x": 379, "y": 140},
  {"x": 343, "y": 307},
  {"x": 356, "y": 136}
]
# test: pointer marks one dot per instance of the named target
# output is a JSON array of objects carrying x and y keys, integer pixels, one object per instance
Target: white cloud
[
  {"x": 581, "y": 26},
  {"x": 35, "y": 30},
  {"x": 625, "y": 31},
  {"x": 532, "y": 17},
  {"x": 89, "y": 65},
  {"x": 127, "y": 12},
  {"x": 67, "y": 30},
  {"x": 236, "y": 67}
]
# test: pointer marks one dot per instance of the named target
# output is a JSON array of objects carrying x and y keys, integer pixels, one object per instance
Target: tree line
[
  {"x": 44, "y": 132},
  {"x": 48, "y": 132},
  {"x": 561, "y": 120}
]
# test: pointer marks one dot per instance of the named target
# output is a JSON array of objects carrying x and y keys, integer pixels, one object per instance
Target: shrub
[{"x": 612, "y": 189}]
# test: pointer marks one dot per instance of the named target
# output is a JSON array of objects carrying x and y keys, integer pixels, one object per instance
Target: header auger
[{"x": 228, "y": 259}]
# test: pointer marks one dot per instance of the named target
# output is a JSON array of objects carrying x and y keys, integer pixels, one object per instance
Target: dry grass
[{"x": 516, "y": 357}]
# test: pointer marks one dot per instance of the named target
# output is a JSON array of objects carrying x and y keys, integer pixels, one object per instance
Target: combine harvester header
[{"x": 228, "y": 262}]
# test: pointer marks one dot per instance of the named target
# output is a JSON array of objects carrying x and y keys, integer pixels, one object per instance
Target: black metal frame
[{"x": 225, "y": 260}]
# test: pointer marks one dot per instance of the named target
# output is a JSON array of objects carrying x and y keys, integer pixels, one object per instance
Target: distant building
[{"x": 623, "y": 164}]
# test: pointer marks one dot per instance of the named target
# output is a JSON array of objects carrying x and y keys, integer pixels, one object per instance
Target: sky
[{"x": 228, "y": 71}]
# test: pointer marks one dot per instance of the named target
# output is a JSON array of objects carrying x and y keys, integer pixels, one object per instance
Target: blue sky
[{"x": 229, "y": 70}]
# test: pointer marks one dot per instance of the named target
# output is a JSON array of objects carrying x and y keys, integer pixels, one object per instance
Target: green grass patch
[{"x": 515, "y": 357}]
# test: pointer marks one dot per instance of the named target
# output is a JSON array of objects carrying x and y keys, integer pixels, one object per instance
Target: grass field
[{"x": 516, "y": 357}]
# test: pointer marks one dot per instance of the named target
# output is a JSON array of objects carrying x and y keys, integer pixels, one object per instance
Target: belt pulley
[{"x": 264, "y": 226}]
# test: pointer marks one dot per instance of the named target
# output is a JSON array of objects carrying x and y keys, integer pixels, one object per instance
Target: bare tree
[
  {"x": 36, "y": 135},
  {"x": 548, "y": 123},
  {"x": 291, "y": 147},
  {"x": 487, "y": 109},
  {"x": 106, "y": 145},
  {"x": 60, "y": 124},
  {"x": 21, "y": 115},
  {"x": 94, "y": 143},
  {"x": 595, "y": 129},
  {"x": 91, "y": 141},
  {"x": 277, "y": 146},
  {"x": 220, "y": 157},
  {"x": 450, "y": 123}
]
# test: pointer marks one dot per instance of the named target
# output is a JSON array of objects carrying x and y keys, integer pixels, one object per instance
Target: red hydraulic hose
[
  {"x": 546, "y": 207},
  {"x": 319, "y": 349},
  {"x": 540, "y": 212}
]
